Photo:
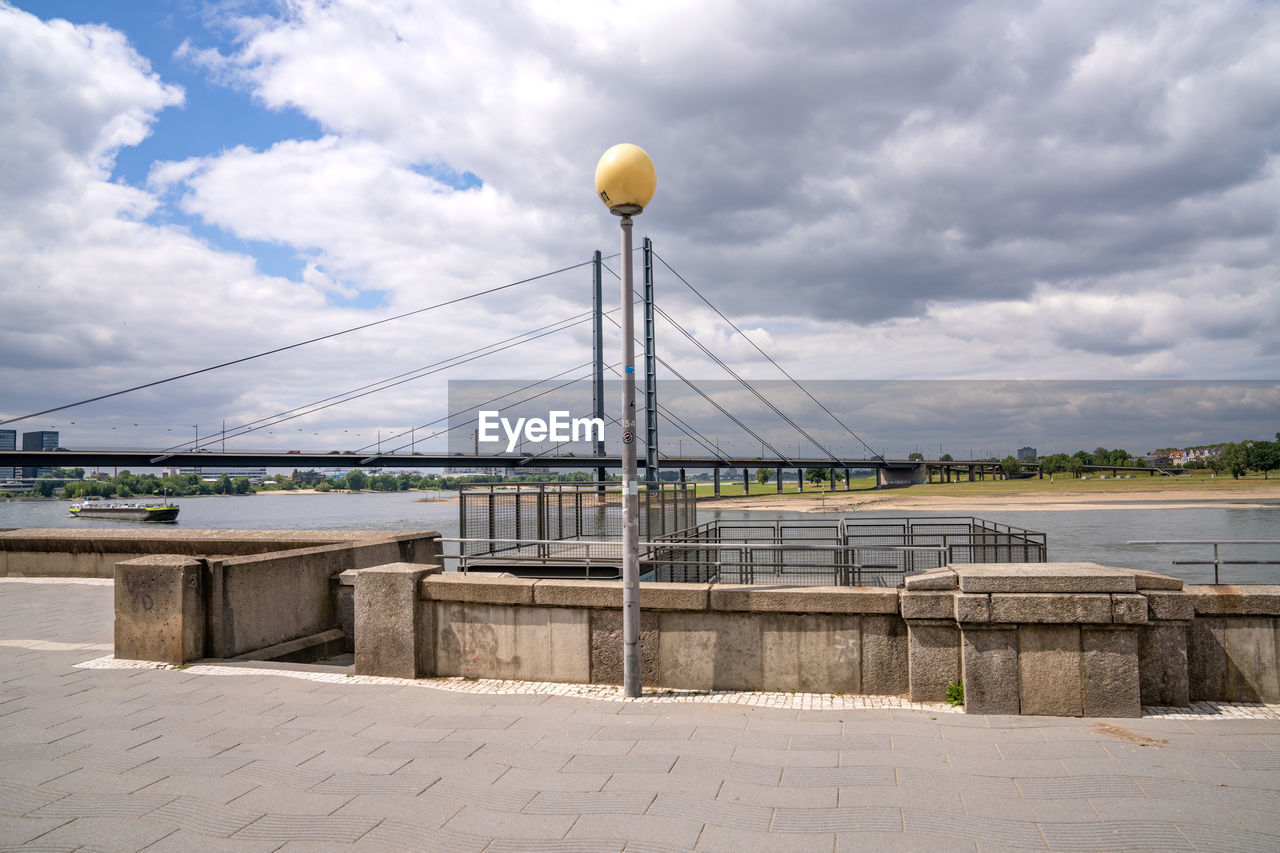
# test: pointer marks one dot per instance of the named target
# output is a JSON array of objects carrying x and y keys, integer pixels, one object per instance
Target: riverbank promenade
[{"x": 110, "y": 757}]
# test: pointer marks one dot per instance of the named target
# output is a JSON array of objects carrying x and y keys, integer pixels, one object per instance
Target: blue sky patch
[{"x": 215, "y": 117}]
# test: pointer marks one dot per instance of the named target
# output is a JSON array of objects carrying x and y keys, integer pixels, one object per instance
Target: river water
[{"x": 1097, "y": 536}]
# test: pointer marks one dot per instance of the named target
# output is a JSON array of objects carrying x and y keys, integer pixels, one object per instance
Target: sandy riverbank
[{"x": 903, "y": 500}]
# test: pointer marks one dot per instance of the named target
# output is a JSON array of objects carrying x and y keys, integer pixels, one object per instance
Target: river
[{"x": 1096, "y": 536}]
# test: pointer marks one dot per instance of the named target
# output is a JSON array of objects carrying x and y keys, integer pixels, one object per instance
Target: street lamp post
[{"x": 625, "y": 181}]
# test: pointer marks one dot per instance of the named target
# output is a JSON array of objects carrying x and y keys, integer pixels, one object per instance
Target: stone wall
[
  {"x": 1064, "y": 639},
  {"x": 93, "y": 553},
  {"x": 263, "y": 606}
]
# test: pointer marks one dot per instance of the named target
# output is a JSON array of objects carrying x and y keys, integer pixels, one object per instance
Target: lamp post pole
[
  {"x": 625, "y": 181},
  {"x": 630, "y": 485}
]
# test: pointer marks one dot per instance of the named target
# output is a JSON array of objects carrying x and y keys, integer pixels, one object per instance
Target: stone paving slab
[{"x": 115, "y": 755}]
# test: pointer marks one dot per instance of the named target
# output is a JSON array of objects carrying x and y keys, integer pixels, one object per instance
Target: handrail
[{"x": 1217, "y": 562}]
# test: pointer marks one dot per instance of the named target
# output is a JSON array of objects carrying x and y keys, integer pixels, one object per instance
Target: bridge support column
[
  {"x": 831, "y": 479},
  {"x": 682, "y": 477},
  {"x": 778, "y": 479},
  {"x": 716, "y": 475},
  {"x": 800, "y": 478},
  {"x": 970, "y": 473},
  {"x": 746, "y": 483}
]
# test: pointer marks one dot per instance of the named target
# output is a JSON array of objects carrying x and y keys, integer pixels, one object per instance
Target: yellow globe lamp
[{"x": 625, "y": 179}]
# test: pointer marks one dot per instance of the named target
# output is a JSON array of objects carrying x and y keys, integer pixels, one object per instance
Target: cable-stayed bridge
[{"x": 401, "y": 449}]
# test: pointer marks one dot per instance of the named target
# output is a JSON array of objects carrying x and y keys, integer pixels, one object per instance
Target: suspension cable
[
  {"x": 770, "y": 358},
  {"x": 280, "y": 349}
]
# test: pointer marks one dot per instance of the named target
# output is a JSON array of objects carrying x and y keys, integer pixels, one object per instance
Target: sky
[{"x": 868, "y": 190}]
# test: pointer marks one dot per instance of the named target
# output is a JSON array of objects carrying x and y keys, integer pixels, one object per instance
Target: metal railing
[
  {"x": 844, "y": 552},
  {"x": 759, "y": 563},
  {"x": 1217, "y": 562},
  {"x": 512, "y": 513}
]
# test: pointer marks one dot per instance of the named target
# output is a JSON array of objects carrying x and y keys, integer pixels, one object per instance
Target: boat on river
[{"x": 125, "y": 510}]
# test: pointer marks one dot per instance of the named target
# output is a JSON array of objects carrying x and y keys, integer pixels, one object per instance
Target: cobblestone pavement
[{"x": 136, "y": 757}]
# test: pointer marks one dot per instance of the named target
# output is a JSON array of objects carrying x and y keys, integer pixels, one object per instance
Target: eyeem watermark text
[{"x": 557, "y": 427}]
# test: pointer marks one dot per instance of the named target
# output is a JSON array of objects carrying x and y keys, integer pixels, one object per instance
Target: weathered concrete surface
[
  {"x": 973, "y": 608},
  {"x": 265, "y": 599},
  {"x": 933, "y": 659},
  {"x": 811, "y": 653},
  {"x": 477, "y": 640},
  {"x": 393, "y": 633},
  {"x": 1153, "y": 580},
  {"x": 38, "y": 552},
  {"x": 1112, "y": 687},
  {"x": 159, "y": 612},
  {"x": 1050, "y": 670},
  {"x": 478, "y": 589},
  {"x": 936, "y": 579},
  {"x": 608, "y": 594},
  {"x": 885, "y": 671},
  {"x": 606, "y": 646},
  {"x": 990, "y": 665},
  {"x": 1162, "y": 663},
  {"x": 927, "y": 604},
  {"x": 710, "y": 651},
  {"x": 1128, "y": 609},
  {"x": 1234, "y": 658},
  {"x": 1044, "y": 577},
  {"x": 1050, "y": 608},
  {"x": 811, "y": 599},
  {"x": 1163, "y": 604},
  {"x": 1235, "y": 600},
  {"x": 1251, "y": 653}
]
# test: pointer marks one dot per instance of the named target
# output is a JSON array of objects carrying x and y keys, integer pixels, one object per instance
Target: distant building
[
  {"x": 8, "y": 441},
  {"x": 210, "y": 475},
  {"x": 1026, "y": 454},
  {"x": 45, "y": 439}
]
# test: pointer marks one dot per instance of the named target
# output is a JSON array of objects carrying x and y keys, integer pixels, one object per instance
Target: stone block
[
  {"x": 578, "y": 593},
  {"x": 811, "y": 653},
  {"x": 709, "y": 651},
  {"x": 1051, "y": 608},
  {"x": 1251, "y": 653},
  {"x": 505, "y": 642},
  {"x": 1162, "y": 662},
  {"x": 606, "y": 646},
  {"x": 813, "y": 599},
  {"x": 989, "y": 660},
  {"x": 1207, "y": 662},
  {"x": 159, "y": 609},
  {"x": 1049, "y": 670},
  {"x": 1128, "y": 609},
  {"x": 478, "y": 589},
  {"x": 391, "y": 628},
  {"x": 885, "y": 671},
  {"x": 1154, "y": 580},
  {"x": 1112, "y": 687},
  {"x": 927, "y": 605},
  {"x": 972, "y": 607},
  {"x": 608, "y": 595},
  {"x": 1044, "y": 577},
  {"x": 933, "y": 660},
  {"x": 1224, "y": 600},
  {"x": 1167, "y": 604},
  {"x": 935, "y": 579}
]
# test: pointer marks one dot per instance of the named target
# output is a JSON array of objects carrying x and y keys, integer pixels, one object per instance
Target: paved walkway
[{"x": 136, "y": 758}]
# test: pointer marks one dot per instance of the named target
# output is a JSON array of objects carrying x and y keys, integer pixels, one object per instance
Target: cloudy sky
[{"x": 870, "y": 190}]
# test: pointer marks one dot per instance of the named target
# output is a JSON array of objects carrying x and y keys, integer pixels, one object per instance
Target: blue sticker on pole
[{"x": 628, "y": 369}]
